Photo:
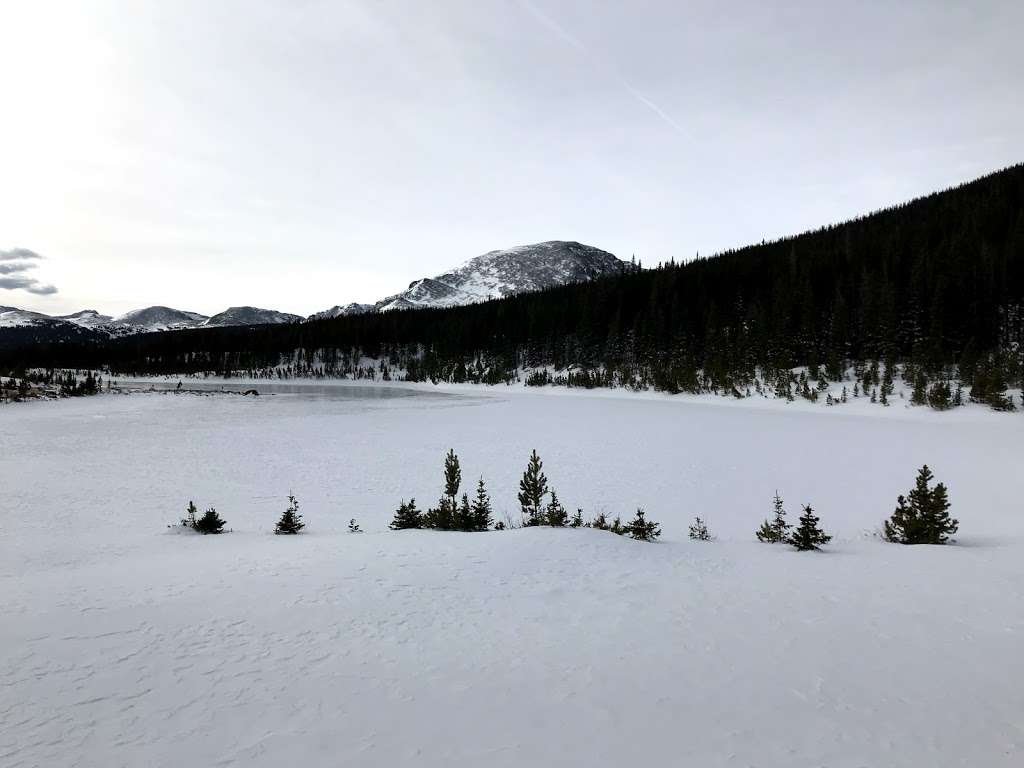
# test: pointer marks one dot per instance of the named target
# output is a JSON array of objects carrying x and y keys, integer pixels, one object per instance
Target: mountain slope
[
  {"x": 159, "y": 318},
  {"x": 250, "y": 316},
  {"x": 497, "y": 274}
]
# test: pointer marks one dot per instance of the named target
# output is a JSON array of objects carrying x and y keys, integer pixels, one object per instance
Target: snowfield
[{"x": 128, "y": 643}]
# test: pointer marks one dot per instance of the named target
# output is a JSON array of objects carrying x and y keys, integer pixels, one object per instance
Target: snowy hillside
[
  {"x": 159, "y": 319},
  {"x": 250, "y": 316},
  {"x": 506, "y": 272},
  {"x": 131, "y": 643},
  {"x": 353, "y": 308},
  {"x": 496, "y": 274}
]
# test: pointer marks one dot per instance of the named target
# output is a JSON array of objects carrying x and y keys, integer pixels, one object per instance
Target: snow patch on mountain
[{"x": 159, "y": 318}]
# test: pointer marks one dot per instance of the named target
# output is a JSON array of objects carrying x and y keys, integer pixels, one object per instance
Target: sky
[{"x": 293, "y": 154}]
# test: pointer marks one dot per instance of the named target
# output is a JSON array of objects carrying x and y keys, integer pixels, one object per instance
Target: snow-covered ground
[{"x": 127, "y": 643}]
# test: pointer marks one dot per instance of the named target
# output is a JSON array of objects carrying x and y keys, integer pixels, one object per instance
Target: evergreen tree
[
  {"x": 555, "y": 514},
  {"x": 353, "y": 526},
  {"x": 210, "y": 522},
  {"x": 407, "y": 517},
  {"x": 532, "y": 490},
  {"x": 464, "y": 515},
  {"x": 481, "y": 509},
  {"x": 808, "y": 535},
  {"x": 923, "y": 518},
  {"x": 600, "y": 523},
  {"x": 776, "y": 530},
  {"x": 699, "y": 530},
  {"x": 452, "y": 476},
  {"x": 577, "y": 519},
  {"x": 639, "y": 528},
  {"x": 291, "y": 520},
  {"x": 617, "y": 527},
  {"x": 189, "y": 521}
]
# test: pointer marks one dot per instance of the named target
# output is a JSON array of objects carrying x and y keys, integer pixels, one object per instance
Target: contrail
[{"x": 578, "y": 44}]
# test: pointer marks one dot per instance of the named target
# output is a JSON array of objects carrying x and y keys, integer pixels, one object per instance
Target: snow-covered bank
[{"x": 126, "y": 645}]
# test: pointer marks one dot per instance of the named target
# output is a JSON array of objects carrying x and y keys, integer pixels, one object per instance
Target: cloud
[
  {"x": 18, "y": 254},
  {"x": 21, "y": 260}
]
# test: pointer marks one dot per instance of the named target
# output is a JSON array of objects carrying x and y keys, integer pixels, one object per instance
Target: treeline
[{"x": 936, "y": 284}]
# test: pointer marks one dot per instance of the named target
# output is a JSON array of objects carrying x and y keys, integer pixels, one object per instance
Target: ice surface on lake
[{"x": 124, "y": 642}]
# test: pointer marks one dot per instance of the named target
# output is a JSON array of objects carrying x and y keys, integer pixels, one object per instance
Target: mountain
[
  {"x": 497, "y": 274},
  {"x": 159, "y": 319},
  {"x": 342, "y": 311},
  {"x": 87, "y": 318},
  {"x": 250, "y": 316}
]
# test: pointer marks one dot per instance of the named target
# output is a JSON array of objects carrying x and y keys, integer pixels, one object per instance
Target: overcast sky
[{"x": 296, "y": 154}]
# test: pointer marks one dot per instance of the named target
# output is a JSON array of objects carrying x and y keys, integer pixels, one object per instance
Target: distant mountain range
[{"x": 490, "y": 276}]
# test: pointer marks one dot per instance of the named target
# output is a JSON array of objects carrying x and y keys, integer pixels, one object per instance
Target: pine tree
[
  {"x": 600, "y": 523},
  {"x": 464, "y": 515},
  {"x": 808, "y": 535},
  {"x": 923, "y": 518},
  {"x": 407, "y": 517},
  {"x": 189, "y": 521},
  {"x": 353, "y": 526},
  {"x": 452, "y": 476},
  {"x": 617, "y": 527},
  {"x": 291, "y": 520},
  {"x": 210, "y": 522},
  {"x": 638, "y": 528},
  {"x": 532, "y": 490},
  {"x": 699, "y": 530},
  {"x": 775, "y": 531},
  {"x": 577, "y": 519},
  {"x": 481, "y": 509},
  {"x": 555, "y": 514}
]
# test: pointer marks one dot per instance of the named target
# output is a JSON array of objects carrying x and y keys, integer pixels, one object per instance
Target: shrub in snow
[
  {"x": 499, "y": 526},
  {"x": 924, "y": 517},
  {"x": 577, "y": 519},
  {"x": 599, "y": 523},
  {"x": 533, "y": 487},
  {"x": 291, "y": 520},
  {"x": 555, "y": 514},
  {"x": 776, "y": 530},
  {"x": 640, "y": 528},
  {"x": 210, "y": 522},
  {"x": 407, "y": 516},
  {"x": 699, "y": 530},
  {"x": 353, "y": 526},
  {"x": 808, "y": 535},
  {"x": 617, "y": 527}
]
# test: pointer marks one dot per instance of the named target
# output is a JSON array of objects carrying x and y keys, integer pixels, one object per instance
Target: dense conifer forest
[{"x": 936, "y": 284}]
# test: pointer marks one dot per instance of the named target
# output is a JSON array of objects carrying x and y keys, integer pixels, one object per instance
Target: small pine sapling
[
  {"x": 776, "y": 530},
  {"x": 699, "y": 530},
  {"x": 210, "y": 522},
  {"x": 407, "y": 517},
  {"x": 291, "y": 520},
  {"x": 639, "y": 527},
  {"x": 808, "y": 535},
  {"x": 481, "y": 509},
  {"x": 923, "y": 518},
  {"x": 189, "y": 520},
  {"x": 577, "y": 519},
  {"x": 353, "y": 526},
  {"x": 555, "y": 514}
]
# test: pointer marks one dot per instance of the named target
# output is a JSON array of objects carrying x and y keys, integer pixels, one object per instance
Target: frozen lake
[{"x": 127, "y": 643}]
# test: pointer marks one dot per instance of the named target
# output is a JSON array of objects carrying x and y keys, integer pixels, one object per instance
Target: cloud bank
[{"x": 19, "y": 260}]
